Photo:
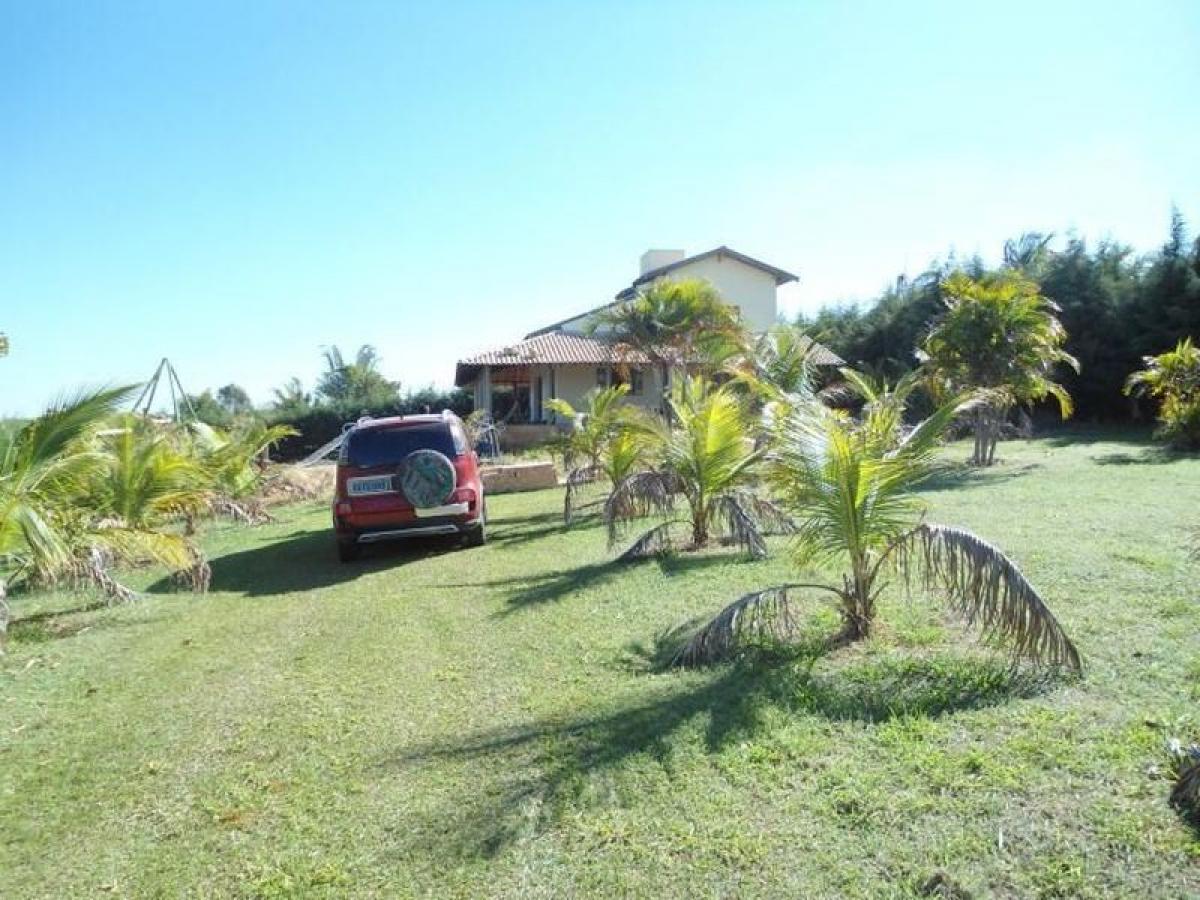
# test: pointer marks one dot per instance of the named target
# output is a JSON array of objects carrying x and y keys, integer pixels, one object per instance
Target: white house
[{"x": 564, "y": 360}]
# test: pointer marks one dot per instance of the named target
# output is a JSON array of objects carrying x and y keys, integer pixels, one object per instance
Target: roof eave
[{"x": 781, "y": 276}]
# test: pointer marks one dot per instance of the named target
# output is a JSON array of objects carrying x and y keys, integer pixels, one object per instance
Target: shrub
[
  {"x": 1173, "y": 378},
  {"x": 319, "y": 424}
]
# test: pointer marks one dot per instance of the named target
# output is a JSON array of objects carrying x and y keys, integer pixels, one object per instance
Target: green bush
[
  {"x": 1173, "y": 378},
  {"x": 318, "y": 424}
]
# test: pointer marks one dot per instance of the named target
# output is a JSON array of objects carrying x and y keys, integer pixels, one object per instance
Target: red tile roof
[
  {"x": 563, "y": 348},
  {"x": 552, "y": 348}
]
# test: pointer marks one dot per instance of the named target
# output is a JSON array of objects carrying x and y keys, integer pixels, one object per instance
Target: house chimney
[{"x": 656, "y": 259}]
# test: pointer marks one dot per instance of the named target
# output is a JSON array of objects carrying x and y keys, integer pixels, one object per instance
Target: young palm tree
[
  {"x": 233, "y": 466},
  {"x": 852, "y": 495},
  {"x": 144, "y": 479},
  {"x": 777, "y": 370},
  {"x": 607, "y": 441},
  {"x": 682, "y": 325},
  {"x": 624, "y": 453},
  {"x": 592, "y": 425},
  {"x": 1173, "y": 378},
  {"x": 999, "y": 336},
  {"x": 708, "y": 462},
  {"x": 50, "y": 525},
  {"x": 884, "y": 403},
  {"x": 42, "y": 466},
  {"x": 142, "y": 487}
]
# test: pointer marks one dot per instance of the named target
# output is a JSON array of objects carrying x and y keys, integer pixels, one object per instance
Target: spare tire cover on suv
[{"x": 427, "y": 478}]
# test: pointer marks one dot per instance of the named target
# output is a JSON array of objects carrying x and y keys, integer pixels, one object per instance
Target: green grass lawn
[{"x": 491, "y": 722}]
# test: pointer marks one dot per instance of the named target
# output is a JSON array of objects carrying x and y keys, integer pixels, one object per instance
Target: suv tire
[
  {"x": 476, "y": 535},
  {"x": 348, "y": 550}
]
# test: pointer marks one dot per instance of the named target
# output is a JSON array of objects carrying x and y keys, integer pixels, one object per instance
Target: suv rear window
[{"x": 388, "y": 446}]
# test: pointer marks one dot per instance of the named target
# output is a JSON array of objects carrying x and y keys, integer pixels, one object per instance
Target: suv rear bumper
[
  {"x": 428, "y": 523},
  {"x": 396, "y": 534}
]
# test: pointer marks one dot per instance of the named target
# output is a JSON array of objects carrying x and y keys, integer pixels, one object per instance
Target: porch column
[
  {"x": 533, "y": 410},
  {"x": 485, "y": 389}
]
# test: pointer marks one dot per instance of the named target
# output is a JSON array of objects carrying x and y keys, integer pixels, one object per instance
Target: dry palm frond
[
  {"x": 197, "y": 577},
  {"x": 92, "y": 570},
  {"x": 772, "y": 518},
  {"x": 763, "y": 614},
  {"x": 987, "y": 589},
  {"x": 4, "y": 614},
  {"x": 247, "y": 512},
  {"x": 732, "y": 515},
  {"x": 639, "y": 495},
  {"x": 654, "y": 542},
  {"x": 576, "y": 478},
  {"x": 290, "y": 484},
  {"x": 1185, "y": 796}
]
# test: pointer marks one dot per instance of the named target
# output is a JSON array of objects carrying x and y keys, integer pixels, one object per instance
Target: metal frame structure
[{"x": 145, "y": 399}]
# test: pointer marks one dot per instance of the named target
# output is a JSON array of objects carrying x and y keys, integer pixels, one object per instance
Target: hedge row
[{"x": 317, "y": 425}]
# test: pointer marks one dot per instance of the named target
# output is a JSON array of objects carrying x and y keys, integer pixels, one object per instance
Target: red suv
[{"x": 407, "y": 476}]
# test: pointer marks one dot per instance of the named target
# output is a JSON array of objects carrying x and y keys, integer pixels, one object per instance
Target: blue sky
[{"x": 237, "y": 185}]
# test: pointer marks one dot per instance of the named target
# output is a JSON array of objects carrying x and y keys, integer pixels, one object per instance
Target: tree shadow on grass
[
  {"x": 965, "y": 475},
  {"x": 306, "y": 560},
  {"x": 553, "y": 768},
  {"x": 504, "y": 531},
  {"x": 1135, "y": 436},
  {"x": 523, "y": 592},
  {"x": 1145, "y": 456},
  {"x": 44, "y": 627}
]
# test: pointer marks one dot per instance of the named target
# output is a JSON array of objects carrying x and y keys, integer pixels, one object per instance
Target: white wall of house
[
  {"x": 751, "y": 290},
  {"x": 748, "y": 288},
  {"x": 574, "y": 381}
]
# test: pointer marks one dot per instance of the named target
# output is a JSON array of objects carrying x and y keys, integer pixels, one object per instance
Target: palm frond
[
  {"x": 1185, "y": 795},
  {"x": 654, "y": 542},
  {"x": 248, "y": 511},
  {"x": 640, "y": 495},
  {"x": 987, "y": 589},
  {"x": 732, "y": 516},
  {"x": 92, "y": 570},
  {"x": 772, "y": 518},
  {"x": 767, "y": 614},
  {"x": 66, "y": 421},
  {"x": 576, "y": 478},
  {"x": 197, "y": 577}
]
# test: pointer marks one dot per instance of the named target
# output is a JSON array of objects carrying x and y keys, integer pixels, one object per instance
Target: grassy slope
[{"x": 486, "y": 722}]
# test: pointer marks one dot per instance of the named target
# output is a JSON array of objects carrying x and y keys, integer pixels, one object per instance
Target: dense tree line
[
  {"x": 346, "y": 390},
  {"x": 1117, "y": 307}
]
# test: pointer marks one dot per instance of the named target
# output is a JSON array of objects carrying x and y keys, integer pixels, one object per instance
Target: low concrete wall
[
  {"x": 530, "y": 476},
  {"x": 521, "y": 437}
]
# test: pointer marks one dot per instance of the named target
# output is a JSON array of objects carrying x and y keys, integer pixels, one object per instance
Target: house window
[{"x": 611, "y": 376}]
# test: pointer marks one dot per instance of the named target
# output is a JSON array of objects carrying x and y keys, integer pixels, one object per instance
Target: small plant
[
  {"x": 1000, "y": 338},
  {"x": 707, "y": 463},
  {"x": 850, "y": 484},
  {"x": 607, "y": 441},
  {"x": 777, "y": 371},
  {"x": 1173, "y": 378},
  {"x": 234, "y": 466},
  {"x": 77, "y": 497}
]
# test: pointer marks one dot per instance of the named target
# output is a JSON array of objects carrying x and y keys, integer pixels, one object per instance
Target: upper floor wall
[
  {"x": 749, "y": 290},
  {"x": 743, "y": 282}
]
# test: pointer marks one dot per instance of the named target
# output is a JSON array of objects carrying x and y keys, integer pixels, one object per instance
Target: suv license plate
[{"x": 380, "y": 484}]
